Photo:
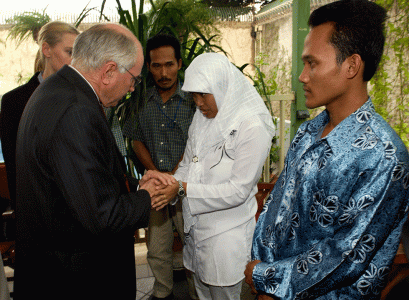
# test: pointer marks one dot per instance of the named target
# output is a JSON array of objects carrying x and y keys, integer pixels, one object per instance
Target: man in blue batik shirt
[{"x": 331, "y": 227}]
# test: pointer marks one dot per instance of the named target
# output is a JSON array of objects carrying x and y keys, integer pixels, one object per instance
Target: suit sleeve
[{"x": 85, "y": 169}]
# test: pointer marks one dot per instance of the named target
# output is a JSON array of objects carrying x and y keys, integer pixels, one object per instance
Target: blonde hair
[{"x": 51, "y": 33}]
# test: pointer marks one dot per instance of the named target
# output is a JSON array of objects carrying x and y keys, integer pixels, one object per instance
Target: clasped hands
[{"x": 162, "y": 188}]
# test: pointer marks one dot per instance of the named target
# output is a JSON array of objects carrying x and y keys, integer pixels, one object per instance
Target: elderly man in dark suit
[{"x": 75, "y": 215}]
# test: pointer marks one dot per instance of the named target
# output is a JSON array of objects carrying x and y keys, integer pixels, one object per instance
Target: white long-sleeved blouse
[{"x": 220, "y": 208}]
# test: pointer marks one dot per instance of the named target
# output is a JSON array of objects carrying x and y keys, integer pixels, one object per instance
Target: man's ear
[
  {"x": 179, "y": 64},
  {"x": 109, "y": 72},
  {"x": 355, "y": 66}
]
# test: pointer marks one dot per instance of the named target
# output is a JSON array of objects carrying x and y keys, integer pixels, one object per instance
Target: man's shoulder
[
  {"x": 67, "y": 84},
  {"x": 386, "y": 135},
  {"x": 62, "y": 90}
]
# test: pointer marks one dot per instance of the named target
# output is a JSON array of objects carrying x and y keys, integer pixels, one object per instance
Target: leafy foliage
[
  {"x": 190, "y": 22},
  {"x": 26, "y": 24},
  {"x": 85, "y": 12},
  {"x": 390, "y": 85},
  {"x": 275, "y": 80}
]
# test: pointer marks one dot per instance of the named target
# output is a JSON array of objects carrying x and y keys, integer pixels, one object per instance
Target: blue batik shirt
[{"x": 331, "y": 227}]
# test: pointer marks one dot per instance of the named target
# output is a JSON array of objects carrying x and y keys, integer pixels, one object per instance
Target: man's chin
[
  {"x": 166, "y": 86},
  {"x": 310, "y": 104}
]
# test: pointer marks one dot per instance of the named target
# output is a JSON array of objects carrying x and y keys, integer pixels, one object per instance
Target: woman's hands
[
  {"x": 162, "y": 188},
  {"x": 164, "y": 194},
  {"x": 153, "y": 179},
  {"x": 158, "y": 177}
]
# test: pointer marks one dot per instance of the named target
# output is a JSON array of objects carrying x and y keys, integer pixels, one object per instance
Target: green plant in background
[
  {"x": 27, "y": 24},
  {"x": 265, "y": 87},
  {"x": 183, "y": 16},
  {"x": 85, "y": 12},
  {"x": 190, "y": 22},
  {"x": 276, "y": 80},
  {"x": 390, "y": 85}
]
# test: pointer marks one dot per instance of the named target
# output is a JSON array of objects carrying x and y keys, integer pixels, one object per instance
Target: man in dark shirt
[{"x": 159, "y": 140}]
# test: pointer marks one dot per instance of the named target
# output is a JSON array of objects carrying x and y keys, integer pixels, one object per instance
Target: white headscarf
[{"x": 236, "y": 100}]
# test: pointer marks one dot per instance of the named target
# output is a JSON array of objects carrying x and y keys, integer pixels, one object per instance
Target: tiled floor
[
  {"x": 145, "y": 279},
  {"x": 144, "y": 276}
]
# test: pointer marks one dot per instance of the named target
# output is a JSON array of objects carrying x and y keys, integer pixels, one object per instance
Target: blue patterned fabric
[{"x": 331, "y": 227}]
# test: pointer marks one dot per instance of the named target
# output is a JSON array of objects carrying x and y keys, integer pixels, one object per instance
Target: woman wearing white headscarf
[{"x": 229, "y": 140}]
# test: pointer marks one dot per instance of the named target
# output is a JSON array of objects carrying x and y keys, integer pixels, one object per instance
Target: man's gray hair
[{"x": 100, "y": 44}]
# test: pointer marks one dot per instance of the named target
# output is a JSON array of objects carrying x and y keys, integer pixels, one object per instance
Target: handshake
[{"x": 162, "y": 188}]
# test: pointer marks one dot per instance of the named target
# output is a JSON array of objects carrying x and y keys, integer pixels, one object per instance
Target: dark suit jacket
[
  {"x": 75, "y": 218},
  {"x": 12, "y": 106}
]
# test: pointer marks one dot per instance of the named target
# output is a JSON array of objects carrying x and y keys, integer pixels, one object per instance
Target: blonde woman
[{"x": 55, "y": 41}]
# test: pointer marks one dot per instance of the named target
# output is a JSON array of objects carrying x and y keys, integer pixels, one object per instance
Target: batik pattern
[{"x": 336, "y": 212}]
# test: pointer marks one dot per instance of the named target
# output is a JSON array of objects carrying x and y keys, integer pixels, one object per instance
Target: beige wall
[
  {"x": 17, "y": 63},
  {"x": 236, "y": 41}
]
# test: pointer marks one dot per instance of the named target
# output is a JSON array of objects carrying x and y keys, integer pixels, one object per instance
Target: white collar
[{"x": 86, "y": 81}]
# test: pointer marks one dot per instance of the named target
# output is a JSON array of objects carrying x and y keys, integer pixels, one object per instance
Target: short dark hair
[
  {"x": 358, "y": 29},
  {"x": 160, "y": 40}
]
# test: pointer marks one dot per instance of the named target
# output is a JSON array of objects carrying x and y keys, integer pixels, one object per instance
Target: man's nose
[
  {"x": 303, "y": 76},
  {"x": 164, "y": 71}
]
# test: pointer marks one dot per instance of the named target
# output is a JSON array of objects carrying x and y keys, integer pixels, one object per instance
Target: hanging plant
[{"x": 390, "y": 85}]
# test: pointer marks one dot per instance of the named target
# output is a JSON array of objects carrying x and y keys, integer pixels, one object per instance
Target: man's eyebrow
[
  {"x": 165, "y": 62},
  {"x": 307, "y": 57}
]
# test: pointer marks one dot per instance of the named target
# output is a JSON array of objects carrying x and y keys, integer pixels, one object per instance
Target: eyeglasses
[{"x": 136, "y": 79}]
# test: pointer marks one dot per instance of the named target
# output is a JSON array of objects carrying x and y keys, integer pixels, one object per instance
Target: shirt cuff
[{"x": 258, "y": 276}]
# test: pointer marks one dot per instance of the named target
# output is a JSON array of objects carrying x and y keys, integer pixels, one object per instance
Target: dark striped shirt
[{"x": 163, "y": 127}]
